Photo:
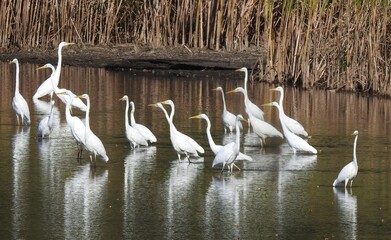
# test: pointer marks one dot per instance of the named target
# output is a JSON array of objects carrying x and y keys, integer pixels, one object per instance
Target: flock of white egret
[{"x": 139, "y": 135}]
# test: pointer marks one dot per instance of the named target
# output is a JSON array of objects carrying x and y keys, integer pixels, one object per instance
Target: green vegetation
[{"x": 310, "y": 43}]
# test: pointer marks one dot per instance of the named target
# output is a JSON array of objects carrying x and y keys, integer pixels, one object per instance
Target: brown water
[{"x": 149, "y": 194}]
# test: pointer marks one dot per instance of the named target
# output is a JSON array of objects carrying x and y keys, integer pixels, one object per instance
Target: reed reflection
[
  {"x": 21, "y": 164},
  {"x": 84, "y": 195},
  {"x": 347, "y": 206}
]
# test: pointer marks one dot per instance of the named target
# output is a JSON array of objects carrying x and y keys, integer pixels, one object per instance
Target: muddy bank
[{"x": 132, "y": 57}]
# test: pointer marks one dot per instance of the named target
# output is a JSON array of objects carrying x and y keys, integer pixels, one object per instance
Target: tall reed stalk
[{"x": 310, "y": 43}]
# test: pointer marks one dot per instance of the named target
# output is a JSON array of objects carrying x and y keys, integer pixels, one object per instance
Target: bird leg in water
[
  {"x": 236, "y": 166},
  {"x": 351, "y": 183},
  {"x": 17, "y": 118}
]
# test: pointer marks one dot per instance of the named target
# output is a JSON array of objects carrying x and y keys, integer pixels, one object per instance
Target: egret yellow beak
[
  {"x": 197, "y": 116},
  {"x": 215, "y": 89},
  {"x": 232, "y": 91},
  {"x": 267, "y": 104},
  {"x": 152, "y": 105},
  {"x": 39, "y": 68},
  {"x": 274, "y": 89}
]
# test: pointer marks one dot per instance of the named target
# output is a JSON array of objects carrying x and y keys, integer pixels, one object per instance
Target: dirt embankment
[{"x": 135, "y": 57}]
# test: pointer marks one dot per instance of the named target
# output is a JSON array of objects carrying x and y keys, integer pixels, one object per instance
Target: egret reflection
[
  {"x": 347, "y": 206},
  {"x": 84, "y": 199}
]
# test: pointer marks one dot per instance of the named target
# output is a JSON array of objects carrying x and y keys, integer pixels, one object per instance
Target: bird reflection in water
[
  {"x": 347, "y": 206},
  {"x": 84, "y": 199}
]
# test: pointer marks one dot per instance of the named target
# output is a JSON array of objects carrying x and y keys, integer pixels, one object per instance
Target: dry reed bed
[{"x": 311, "y": 43}]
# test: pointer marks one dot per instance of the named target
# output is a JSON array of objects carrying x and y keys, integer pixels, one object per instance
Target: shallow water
[{"x": 147, "y": 193}]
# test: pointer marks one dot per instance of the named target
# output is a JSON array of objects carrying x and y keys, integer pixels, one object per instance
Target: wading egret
[
  {"x": 214, "y": 147},
  {"x": 18, "y": 102},
  {"x": 92, "y": 143},
  {"x": 264, "y": 130},
  {"x": 77, "y": 127},
  {"x": 227, "y": 154},
  {"x": 227, "y": 117},
  {"x": 65, "y": 98},
  {"x": 46, "y": 88},
  {"x": 251, "y": 109},
  {"x": 147, "y": 134},
  {"x": 294, "y": 141},
  {"x": 182, "y": 143},
  {"x": 133, "y": 135},
  {"x": 350, "y": 170},
  {"x": 45, "y": 126},
  {"x": 293, "y": 125}
]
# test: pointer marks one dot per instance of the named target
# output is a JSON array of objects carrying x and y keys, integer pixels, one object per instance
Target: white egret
[
  {"x": 264, "y": 130},
  {"x": 293, "y": 125},
  {"x": 251, "y": 109},
  {"x": 133, "y": 135},
  {"x": 294, "y": 141},
  {"x": 182, "y": 143},
  {"x": 65, "y": 98},
  {"x": 46, "y": 88},
  {"x": 349, "y": 172},
  {"x": 147, "y": 134},
  {"x": 18, "y": 102},
  {"x": 228, "y": 154},
  {"x": 227, "y": 117},
  {"x": 77, "y": 127},
  {"x": 45, "y": 126},
  {"x": 214, "y": 147},
  {"x": 92, "y": 143}
]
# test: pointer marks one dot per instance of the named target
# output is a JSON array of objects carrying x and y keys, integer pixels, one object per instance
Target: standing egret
[
  {"x": 227, "y": 117},
  {"x": 18, "y": 102},
  {"x": 251, "y": 109},
  {"x": 264, "y": 130},
  {"x": 228, "y": 154},
  {"x": 182, "y": 143},
  {"x": 294, "y": 141},
  {"x": 133, "y": 135},
  {"x": 92, "y": 143},
  {"x": 45, "y": 126},
  {"x": 77, "y": 127},
  {"x": 214, "y": 147},
  {"x": 147, "y": 134},
  {"x": 293, "y": 125},
  {"x": 350, "y": 170},
  {"x": 46, "y": 87},
  {"x": 65, "y": 98}
]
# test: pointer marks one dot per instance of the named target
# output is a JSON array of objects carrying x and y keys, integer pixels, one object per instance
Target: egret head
[
  {"x": 218, "y": 89},
  {"x": 63, "y": 44},
  {"x": 124, "y": 98},
  {"x": 355, "y": 133},
  {"x": 204, "y": 116},
  {"x": 243, "y": 69},
  {"x": 236, "y": 90},
  {"x": 277, "y": 89},
  {"x": 85, "y": 96},
  {"x": 239, "y": 117},
  {"x": 14, "y": 61},
  {"x": 48, "y": 65}
]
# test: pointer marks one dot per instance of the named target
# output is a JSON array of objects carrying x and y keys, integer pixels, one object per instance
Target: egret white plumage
[
  {"x": 18, "y": 102},
  {"x": 228, "y": 153},
  {"x": 294, "y": 141},
  {"x": 250, "y": 108},
  {"x": 227, "y": 117},
  {"x": 264, "y": 130},
  {"x": 214, "y": 147},
  {"x": 145, "y": 132},
  {"x": 293, "y": 125},
  {"x": 65, "y": 98},
  {"x": 133, "y": 135},
  {"x": 92, "y": 143},
  {"x": 77, "y": 127},
  {"x": 182, "y": 143},
  {"x": 46, "y": 88},
  {"x": 45, "y": 126},
  {"x": 349, "y": 172}
]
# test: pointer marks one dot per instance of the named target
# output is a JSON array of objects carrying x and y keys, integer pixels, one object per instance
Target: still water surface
[{"x": 148, "y": 194}]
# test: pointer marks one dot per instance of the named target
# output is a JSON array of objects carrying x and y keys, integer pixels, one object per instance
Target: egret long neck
[
  {"x": 56, "y": 76},
  {"x": 132, "y": 120},
  {"x": 237, "y": 139},
  {"x": 222, "y": 95},
  {"x": 68, "y": 111},
  {"x": 280, "y": 116},
  {"x": 354, "y": 149},
  {"x": 170, "y": 123},
  {"x": 126, "y": 113},
  {"x": 172, "y": 112},
  {"x": 245, "y": 79},
  {"x": 281, "y": 100},
  {"x": 210, "y": 139},
  {"x": 88, "y": 114},
  {"x": 17, "y": 78}
]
